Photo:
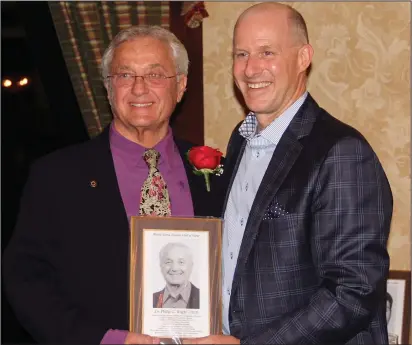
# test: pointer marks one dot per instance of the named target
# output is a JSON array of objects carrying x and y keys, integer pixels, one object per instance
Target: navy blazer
[
  {"x": 313, "y": 262},
  {"x": 66, "y": 266}
]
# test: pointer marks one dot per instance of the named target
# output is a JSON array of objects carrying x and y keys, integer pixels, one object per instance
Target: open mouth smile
[
  {"x": 141, "y": 105},
  {"x": 259, "y": 85}
]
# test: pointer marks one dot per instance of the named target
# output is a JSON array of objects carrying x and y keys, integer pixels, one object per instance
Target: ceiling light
[
  {"x": 7, "y": 83},
  {"x": 23, "y": 81}
]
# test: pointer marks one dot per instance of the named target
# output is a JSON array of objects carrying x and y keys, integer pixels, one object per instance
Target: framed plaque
[
  {"x": 175, "y": 277},
  {"x": 398, "y": 306}
]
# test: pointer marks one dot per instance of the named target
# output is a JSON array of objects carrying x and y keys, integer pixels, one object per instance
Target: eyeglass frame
[{"x": 144, "y": 77}]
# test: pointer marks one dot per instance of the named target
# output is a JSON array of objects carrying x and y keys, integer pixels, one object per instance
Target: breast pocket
[
  {"x": 282, "y": 240},
  {"x": 275, "y": 210}
]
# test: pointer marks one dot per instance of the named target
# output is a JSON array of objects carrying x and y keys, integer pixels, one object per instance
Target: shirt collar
[
  {"x": 275, "y": 130},
  {"x": 184, "y": 293},
  {"x": 133, "y": 152}
]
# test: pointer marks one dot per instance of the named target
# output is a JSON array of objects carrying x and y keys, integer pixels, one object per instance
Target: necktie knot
[{"x": 151, "y": 157}]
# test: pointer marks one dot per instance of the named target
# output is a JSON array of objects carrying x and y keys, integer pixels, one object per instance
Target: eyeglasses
[{"x": 151, "y": 79}]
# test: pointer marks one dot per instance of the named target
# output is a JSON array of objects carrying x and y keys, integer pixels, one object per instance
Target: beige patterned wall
[{"x": 360, "y": 75}]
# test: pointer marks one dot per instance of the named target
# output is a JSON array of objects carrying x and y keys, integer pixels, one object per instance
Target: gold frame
[{"x": 137, "y": 226}]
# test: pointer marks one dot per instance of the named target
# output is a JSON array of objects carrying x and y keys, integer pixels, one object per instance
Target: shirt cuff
[{"x": 114, "y": 336}]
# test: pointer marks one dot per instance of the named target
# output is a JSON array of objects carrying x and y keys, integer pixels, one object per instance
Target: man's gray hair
[
  {"x": 166, "y": 248},
  {"x": 178, "y": 50}
]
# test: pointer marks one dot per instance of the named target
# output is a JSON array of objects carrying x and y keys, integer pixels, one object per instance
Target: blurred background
[{"x": 36, "y": 99}]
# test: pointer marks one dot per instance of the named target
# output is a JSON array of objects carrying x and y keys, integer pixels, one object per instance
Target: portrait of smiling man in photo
[{"x": 176, "y": 264}]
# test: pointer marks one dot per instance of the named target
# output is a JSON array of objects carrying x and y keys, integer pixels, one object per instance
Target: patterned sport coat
[{"x": 313, "y": 262}]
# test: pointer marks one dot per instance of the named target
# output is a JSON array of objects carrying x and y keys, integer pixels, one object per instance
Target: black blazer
[
  {"x": 192, "y": 303},
  {"x": 66, "y": 267},
  {"x": 313, "y": 262}
]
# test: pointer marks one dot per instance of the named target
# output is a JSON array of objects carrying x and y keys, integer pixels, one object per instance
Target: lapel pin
[{"x": 93, "y": 183}]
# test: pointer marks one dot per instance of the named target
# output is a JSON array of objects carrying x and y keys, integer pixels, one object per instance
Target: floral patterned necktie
[{"x": 154, "y": 199}]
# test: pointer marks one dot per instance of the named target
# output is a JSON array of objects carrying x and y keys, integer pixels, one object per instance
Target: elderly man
[
  {"x": 393, "y": 338},
  {"x": 309, "y": 208},
  {"x": 66, "y": 267},
  {"x": 176, "y": 264}
]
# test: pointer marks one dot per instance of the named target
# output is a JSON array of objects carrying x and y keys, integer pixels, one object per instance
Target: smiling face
[
  {"x": 269, "y": 65},
  {"x": 142, "y": 106},
  {"x": 176, "y": 265}
]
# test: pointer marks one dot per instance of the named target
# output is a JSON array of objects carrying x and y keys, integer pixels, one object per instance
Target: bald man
[
  {"x": 176, "y": 264},
  {"x": 308, "y": 209}
]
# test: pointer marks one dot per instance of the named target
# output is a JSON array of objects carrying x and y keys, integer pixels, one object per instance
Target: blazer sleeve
[
  {"x": 349, "y": 226},
  {"x": 29, "y": 270}
]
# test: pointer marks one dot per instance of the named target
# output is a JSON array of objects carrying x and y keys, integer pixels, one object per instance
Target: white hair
[
  {"x": 178, "y": 50},
  {"x": 166, "y": 248}
]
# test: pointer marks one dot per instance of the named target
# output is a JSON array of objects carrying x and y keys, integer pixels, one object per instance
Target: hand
[
  {"x": 213, "y": 339},
  {"x": 134, "y": 338}
]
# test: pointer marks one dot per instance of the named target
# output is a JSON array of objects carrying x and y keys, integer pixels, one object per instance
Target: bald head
[
  {"x": 271, "y": 57},
  {"x": 296, "y": 24}
]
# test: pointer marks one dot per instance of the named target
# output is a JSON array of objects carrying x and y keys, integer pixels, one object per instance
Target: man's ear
[
  {"x": 181, "y": 86},
  {"x": 109, "y": 94},
  {"x": 305, "y": 55}
]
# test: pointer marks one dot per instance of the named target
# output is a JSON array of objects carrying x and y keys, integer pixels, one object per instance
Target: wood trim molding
[{"x": 188, "y": 119}]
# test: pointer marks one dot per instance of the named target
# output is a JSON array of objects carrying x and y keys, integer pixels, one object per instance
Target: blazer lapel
[
  {"x": 233, "y": 159},
  {"x": 192, "y": 179},
  {"x": 104, "y": 172},
  {"x": 196, "y": 183},
  {"x": 283, "y": 159}
]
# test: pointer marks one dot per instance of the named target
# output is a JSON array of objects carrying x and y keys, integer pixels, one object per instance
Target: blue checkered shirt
[{"x": 260, "y": 147}]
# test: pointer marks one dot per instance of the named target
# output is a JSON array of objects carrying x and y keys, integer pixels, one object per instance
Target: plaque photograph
[
  {"x": 398, "y": 306},
  {"x": 175, "y": 277}
]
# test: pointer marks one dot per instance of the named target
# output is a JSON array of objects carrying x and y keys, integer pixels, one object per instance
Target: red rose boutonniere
[{"x": 205, "y": 161}]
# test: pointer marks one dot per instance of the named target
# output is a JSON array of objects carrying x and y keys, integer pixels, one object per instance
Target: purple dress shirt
[{"x": 132, "y": 170}]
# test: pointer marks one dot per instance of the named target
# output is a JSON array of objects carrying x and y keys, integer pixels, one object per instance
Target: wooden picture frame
[
  {"x": 398, "y": 306},
  {"x": 158, "y": 245}
]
